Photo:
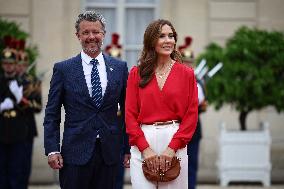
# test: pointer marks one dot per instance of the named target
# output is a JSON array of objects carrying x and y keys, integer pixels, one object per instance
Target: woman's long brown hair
[{"x": 148, "y": 57}]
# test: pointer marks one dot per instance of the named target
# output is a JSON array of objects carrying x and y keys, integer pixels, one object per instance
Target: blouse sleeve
[
  {"x": 133, "y": 129},
  {"x": 189, "y": 120}
]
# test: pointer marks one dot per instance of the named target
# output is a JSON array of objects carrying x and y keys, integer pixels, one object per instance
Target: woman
[{"x": 161, "y": 107}]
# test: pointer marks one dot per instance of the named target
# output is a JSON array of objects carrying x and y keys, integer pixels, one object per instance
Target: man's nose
[{"x": 92, "y": 35}]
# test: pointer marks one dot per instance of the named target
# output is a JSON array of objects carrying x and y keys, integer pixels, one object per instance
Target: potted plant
[
  {"x": 12, "y": 29},
  {"x": 251, "y": 79}
]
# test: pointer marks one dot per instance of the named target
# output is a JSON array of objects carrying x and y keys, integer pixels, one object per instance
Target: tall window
[{"x": 128, "y": 18}]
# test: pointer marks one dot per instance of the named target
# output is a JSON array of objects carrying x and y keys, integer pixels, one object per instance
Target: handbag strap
[{"x": 157, "y": 185}]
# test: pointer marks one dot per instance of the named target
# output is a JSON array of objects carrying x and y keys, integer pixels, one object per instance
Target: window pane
[
  {"x": 131, "y": 57},
  {"x": 101, "y": 1},
  {"x": 136, "y": 23},
  {"x": 109, "y": 15}
]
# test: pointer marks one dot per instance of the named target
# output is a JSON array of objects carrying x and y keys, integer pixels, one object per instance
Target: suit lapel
[
  {"x": 110, "y": 70},
  {"x": 80, "y": 81},
  {"x": 79, "y": 76}
]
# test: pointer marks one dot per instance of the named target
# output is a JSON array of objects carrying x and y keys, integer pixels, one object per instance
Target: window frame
[{"x": 120, "y": 7}]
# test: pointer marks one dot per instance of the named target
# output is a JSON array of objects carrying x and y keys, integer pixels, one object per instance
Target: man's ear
[{"x": 77, "y": 34}]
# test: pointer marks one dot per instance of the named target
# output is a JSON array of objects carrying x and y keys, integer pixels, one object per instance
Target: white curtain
[{"x": 136, "y": 21}]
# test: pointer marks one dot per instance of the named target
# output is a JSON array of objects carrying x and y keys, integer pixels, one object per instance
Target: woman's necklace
[{"x": 162, "y": 75}]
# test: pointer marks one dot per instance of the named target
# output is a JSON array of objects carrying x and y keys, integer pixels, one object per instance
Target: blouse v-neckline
[{"x": 166, "y": 80}]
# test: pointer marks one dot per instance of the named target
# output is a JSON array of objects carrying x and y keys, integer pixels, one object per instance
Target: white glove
[
  {"x": 7, "y": 104},
  {"x": 16, "y": 90}
]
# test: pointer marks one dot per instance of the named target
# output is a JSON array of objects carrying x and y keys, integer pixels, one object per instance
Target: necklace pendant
[{"x": 161, "y": 75}]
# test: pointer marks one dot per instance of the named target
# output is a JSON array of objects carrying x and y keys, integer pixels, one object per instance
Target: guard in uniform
[
  {"x": 186, "y": 51},
  {"x": 193, "y": 145},
  {"x": 115, "y": 50},
  {"x": 13, "y": 132},
  {"x": 30, "y": 104}
]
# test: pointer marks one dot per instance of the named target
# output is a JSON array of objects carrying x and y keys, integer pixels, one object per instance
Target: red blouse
[{"x": 176, "y": 101}]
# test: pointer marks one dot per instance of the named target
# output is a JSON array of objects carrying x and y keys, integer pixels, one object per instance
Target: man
[
  {"x": 30, "y": 104},
  {"x": 13, "y": 127},
  {"x": 114, "y": 49},
  {"x": 89, "y": 86},
  {"x": 193, "y": 145}
]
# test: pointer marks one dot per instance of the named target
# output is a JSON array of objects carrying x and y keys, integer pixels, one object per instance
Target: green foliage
[
  {"x": 253, "y": 70},
  {"x": 13, "y": 29}
]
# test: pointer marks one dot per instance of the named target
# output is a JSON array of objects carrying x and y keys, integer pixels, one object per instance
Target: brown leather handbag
[{"x": 167, "y": 176}]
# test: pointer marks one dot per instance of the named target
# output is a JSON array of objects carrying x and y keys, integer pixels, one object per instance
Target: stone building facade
[{"x": 50, "y": 24}]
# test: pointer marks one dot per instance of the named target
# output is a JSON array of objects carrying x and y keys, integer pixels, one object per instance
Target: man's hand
[
  {"x": 151, "y": 159},
  {"x": 126, "y": 161},
  {"x": 55, "y": 161},
  {"x": 203, "y": 105},
  {"x": 7, "y": 104},
  {"x": 16, "y": 90}
]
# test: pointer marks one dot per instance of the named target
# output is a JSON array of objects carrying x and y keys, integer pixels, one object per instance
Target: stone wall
[{"x": 51, "y": 26}]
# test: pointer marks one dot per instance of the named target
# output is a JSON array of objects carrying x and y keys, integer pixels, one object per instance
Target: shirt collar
[{"x": 87, "y": 59}]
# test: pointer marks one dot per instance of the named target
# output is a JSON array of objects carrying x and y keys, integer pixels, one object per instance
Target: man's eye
[
  {"x": 97, "y": 33},
  {"x": 85, "y": 33}
]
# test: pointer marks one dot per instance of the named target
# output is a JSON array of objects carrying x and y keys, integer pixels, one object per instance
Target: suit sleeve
[
  {"x": 126, "y": 147},
  {"x": 52, "y": 117}
]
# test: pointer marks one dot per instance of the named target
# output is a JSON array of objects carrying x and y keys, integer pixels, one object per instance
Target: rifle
[
  {"x": 41, "y": 75},
  {"x": 201, "y": 72},
  {"x": 30, "y": 67},
  {"x": 200, "y": 67},
  {"x": 214, "y": 70}
]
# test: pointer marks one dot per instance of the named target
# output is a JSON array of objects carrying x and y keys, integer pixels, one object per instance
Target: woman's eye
[{"x": 169, "y": 36}]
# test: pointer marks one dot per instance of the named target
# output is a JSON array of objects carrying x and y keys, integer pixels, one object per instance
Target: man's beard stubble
[{"x": 93, "y": 50}]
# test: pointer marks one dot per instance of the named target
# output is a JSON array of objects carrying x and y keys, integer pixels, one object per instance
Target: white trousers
[{"x": 158, "y": 138}]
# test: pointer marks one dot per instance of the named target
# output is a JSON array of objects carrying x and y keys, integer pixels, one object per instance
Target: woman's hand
[
  {"x": 166, "y": 159},
  {"x": 151, "y": 159}
]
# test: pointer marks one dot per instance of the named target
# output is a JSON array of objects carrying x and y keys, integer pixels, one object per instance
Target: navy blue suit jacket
[{"x": 83, "y": 120}]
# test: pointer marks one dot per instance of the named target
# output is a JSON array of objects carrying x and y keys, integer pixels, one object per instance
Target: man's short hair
[{"x": 91, "y": 16}]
